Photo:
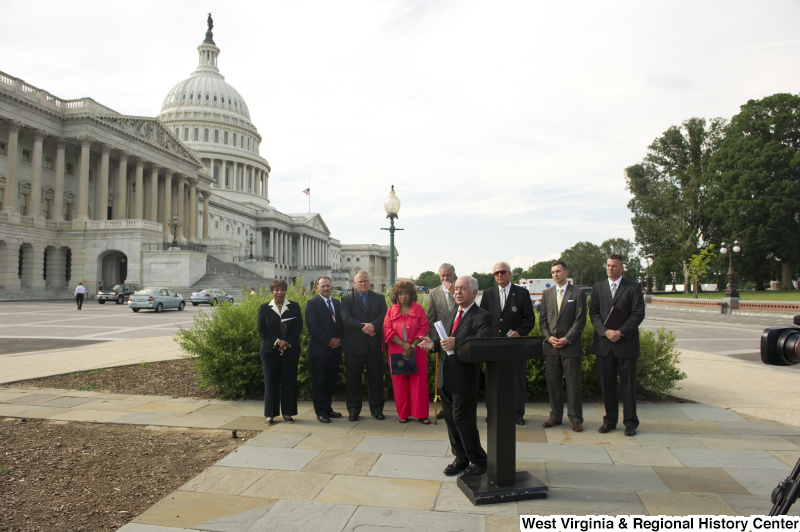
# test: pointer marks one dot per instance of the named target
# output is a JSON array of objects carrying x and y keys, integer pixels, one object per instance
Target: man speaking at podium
[{"x": 461, "y": 381}]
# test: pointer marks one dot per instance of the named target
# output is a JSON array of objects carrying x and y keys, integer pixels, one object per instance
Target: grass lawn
[{"x": 766, "y": 295}]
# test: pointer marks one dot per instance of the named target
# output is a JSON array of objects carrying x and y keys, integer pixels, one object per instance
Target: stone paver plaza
[{"x": 687, "y": 458}]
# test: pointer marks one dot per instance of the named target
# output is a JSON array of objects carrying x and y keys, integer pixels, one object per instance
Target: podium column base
[{"x": 480, "y": 490}]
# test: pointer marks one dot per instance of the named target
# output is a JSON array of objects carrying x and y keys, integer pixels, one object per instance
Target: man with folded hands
[
  {"x": 562, "y": 318},
  {"x": 617, "y": 348}
]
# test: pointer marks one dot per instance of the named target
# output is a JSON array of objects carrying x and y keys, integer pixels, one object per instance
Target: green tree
[
  {"x": 585, "y": 262},
  {"x": 429, "y": 279},
  {"x": 668, "y": 189},
  {"x": 539, "y": 270},
  {"x": 755, "y": 192},
  {"x": 516, "y": 274},
  {"x": 699, "y": 265},
  {"x": 485, "y": 280}
]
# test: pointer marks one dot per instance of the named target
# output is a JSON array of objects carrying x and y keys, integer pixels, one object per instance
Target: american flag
[{"x": 307, "y": 191}]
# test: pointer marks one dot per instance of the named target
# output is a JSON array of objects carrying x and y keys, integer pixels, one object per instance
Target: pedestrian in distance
[{"x": 80, "y": 293}]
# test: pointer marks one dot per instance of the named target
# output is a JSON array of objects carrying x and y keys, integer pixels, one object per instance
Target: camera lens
[{"x": 788, "y": 344}]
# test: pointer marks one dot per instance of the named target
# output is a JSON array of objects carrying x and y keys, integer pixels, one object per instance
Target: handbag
[{"x": 401, "y": 366}]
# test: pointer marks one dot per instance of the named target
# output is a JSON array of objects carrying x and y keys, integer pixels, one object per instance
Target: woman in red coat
[{"x": 403, "y": 328}]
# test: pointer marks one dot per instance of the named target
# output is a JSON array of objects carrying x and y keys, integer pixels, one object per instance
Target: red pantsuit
[{"x": 410, "y": 391}]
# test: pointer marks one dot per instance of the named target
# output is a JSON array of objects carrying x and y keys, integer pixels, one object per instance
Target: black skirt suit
[{"x": 280, "y": 370}]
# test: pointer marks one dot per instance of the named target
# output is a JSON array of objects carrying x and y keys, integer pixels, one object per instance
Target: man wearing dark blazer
[
  {"x": 512, "y": 316},
  {"x": 460, "y": 381},
  {"x": 440, "y": 300},
  {"x": 326, "y": 328},
  {"x": 562, "y": 318},
  {"x": 362, "y": 312},
  {"x": 617, "y": 350}
]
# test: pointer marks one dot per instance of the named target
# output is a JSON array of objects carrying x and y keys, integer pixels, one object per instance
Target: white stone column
[
  {"x": 138, "y": 193},
  {"x": 101, "y": 201},
  {"x": 272, "y": 243},
  {"x": 10, "y": 196},
  {"x": 300, "y": 252},
  {"x": 206, "y": 219},
  {"x": 181, "y": 204},
  {"x": 167, "y": 212},
  {"x": 35, "y": 207},
  {"x": 193, "y": 208},
  {"x": 290, "y": 260},
  {"x": 119, "y": 210},
  {"x": 152, "y": 210},
  {"x": 83, "y": 179},
  {"x": 58, "y": 188}
]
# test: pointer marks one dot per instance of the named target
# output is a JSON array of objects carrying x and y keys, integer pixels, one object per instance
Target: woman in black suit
[{"x": 280, "y": 323}]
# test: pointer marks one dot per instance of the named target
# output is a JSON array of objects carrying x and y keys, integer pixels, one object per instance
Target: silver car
[
  {"x": 210, "y": 296},
  {"x": 156, "y": 298}
]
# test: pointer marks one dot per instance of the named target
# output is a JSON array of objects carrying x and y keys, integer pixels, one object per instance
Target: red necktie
[{"x": 458, "y": 320}]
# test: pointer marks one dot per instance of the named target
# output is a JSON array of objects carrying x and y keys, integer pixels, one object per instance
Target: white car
[
  {"x": 210, "y": 296},
  {"x": 156, "y": 298}
]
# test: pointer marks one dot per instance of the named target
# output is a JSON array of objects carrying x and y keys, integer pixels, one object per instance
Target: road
[{"x": 44, "y": 325}]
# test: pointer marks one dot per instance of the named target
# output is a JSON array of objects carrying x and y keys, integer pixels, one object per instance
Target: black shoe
[
  {"x": 379, "y": 416},
  {"x": 323, "y": 419},
  {"x": 267, "y": 420},
  {"x": 334, "y": 414},
  {"x": 440, "y": 414},
  {"x": 630, "y": 431},
  {"x": 353, "y": 417},
  {"x": 606, "y": 428},
  {"x": 455, "y": 468},
  {"x": 288, "y": 419},
  {"x": 474, "y": 470},
  {"x": 520, "y": 422}
]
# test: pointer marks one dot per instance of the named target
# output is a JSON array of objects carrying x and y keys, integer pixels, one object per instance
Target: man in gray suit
[
  {"x": 617, "y": 350},
  {"x": 440, "y": 300},
  {"x": 562, "y": 318},
  {"x": 362, "y": 312}
]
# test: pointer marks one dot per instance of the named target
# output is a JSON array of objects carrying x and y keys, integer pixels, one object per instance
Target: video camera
[{"x": 780, "y": 346}]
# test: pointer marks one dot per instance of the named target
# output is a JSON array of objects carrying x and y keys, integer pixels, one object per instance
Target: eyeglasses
[{"x": 500, "y": 272}]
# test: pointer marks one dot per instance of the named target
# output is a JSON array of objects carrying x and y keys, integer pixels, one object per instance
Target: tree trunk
[
  {"x": 759, "y": 286},
  {"x": 786, "y": 275}
]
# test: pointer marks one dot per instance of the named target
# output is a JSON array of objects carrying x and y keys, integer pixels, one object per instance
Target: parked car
[
  {"x": 119, "y": 293},
  {"x": 210, "y": 296},
  {"x": 156, "y": 298}
]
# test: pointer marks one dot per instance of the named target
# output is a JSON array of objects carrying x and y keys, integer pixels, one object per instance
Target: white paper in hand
[{"x": 442, "y": 334}]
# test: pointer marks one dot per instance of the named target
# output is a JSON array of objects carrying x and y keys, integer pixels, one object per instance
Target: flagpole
[{"x": 309, "y": 193}]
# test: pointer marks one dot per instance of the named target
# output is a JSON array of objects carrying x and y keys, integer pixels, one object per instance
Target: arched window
[
  {"x": 234, "y": 139},
  {"x": 205, "y": 135},
  {"x": 196, "y": 134},
  {"x": 186, "y": 133},
  {"x": 216, "y": 136},
  {"x": 225, "y": 138}
]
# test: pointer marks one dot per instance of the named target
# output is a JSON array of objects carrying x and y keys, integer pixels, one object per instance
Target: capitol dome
[
  {"x": 210, "y": 117},
  {"x": 206, "y": 88}
]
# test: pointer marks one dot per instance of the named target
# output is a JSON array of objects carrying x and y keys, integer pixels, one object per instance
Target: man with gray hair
[
  {"x": 440, "y": 300},
  {"x": 512, "y": 315},
  {"x": 460, "y": 381}
]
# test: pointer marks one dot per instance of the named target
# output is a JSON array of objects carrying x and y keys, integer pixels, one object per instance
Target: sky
[{"x": 504, "y": 126}]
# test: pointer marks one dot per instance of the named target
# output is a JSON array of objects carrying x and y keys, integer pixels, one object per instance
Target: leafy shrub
[{"x": 224, "y": 346}]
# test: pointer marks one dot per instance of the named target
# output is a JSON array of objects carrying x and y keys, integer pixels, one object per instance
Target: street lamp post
[
  {"x": 174, "y": 224},
  {"x": 723, "y": 248},
  {"x": 648, "y": 280},
  {"x": 392, "y": 206},
  {"x": 251, "y": 241}
]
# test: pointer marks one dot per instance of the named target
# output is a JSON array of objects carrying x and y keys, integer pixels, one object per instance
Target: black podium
[{"x": 501, "y": 483}]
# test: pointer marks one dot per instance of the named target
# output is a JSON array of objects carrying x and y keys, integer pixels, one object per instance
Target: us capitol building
[{"x": 91, "y": 195}]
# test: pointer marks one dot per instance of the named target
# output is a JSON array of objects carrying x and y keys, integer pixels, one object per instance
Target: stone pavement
[{"x": 687, "y": 458}]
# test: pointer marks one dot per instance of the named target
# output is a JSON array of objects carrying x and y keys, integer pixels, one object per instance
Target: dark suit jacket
[
  {"x": 567, "y": 323},
  {"x": 321, "y": 327},
  {"x": 457, "y": 376},
  {"x": 517, "y": 315},
  {"x": 268, "y": 325},
  {"x": 354, "y": 314},
  {"x": 628, "y": 298}
]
